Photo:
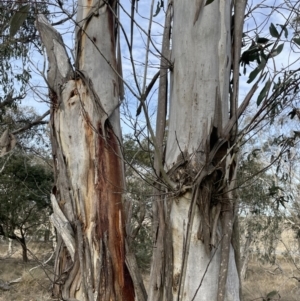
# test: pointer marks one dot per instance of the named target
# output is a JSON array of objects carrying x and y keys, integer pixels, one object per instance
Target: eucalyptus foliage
[
  {"x": 17, "y": 37},
  {"x": 25, "y": 183}
]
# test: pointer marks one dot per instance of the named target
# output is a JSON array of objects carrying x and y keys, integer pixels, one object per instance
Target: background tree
[
  {"x": 25, "y": 203},
  {"x": 138, "y": 172},
  {"x": 25, "y": 176},
  {"x": 18, "y": 35},
  {"x": 261, "y": 210}
]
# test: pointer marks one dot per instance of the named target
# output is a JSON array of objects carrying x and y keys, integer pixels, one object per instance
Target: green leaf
[
  {"x": 263, "y": 92},
  {"x": 277, "y": 51},
  {"x": 297, "y": 41},
  {"x": 273, "y": 31},
  {"x": 18, "y": 19},
  {"x": 250, "y": 55},
  {"x": 286, "y": 33},
  {"x": 253, "y": 74},
  {"x": 269, "y": 45},
  {"x": 255, "y": 152},
  {"x": 263, "y": 55},
  {"x": 157, "y": 9},
  {"x": 262, "y": 40},
  {"x": 209, "y": 2},
  {"x": 264, "y": 77},
  {"x": 272, "y": 294},
  {"x": 256, "y": 71},
  {"x": 297, "y": 134}
]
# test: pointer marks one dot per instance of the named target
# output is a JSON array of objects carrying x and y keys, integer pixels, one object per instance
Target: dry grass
[
  {"x": 283, "y": 276},
  {"x": 35, "y": 284},
  {"x": 261, "y": 279}
]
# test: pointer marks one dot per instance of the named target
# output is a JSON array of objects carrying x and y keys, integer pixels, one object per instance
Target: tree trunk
[
  {"x": 22, "y": 242},
  {"x": 24, "y": 251},
  {"x": 85, "y": 134},
  {"x": 46, "y": 235},
  {"x": 10, "y": 249},
  {"x": 200, "y": 160},
  {"x": 246, "y": 255},
  {"x": 193, "y": 256}
]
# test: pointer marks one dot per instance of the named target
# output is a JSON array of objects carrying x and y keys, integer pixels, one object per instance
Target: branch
[
  {"x": 239, "y": 13},
  {"x": 62, "y": 21},
  {"x": 5, "y": 286},
  {"x": 9, "y": 100},
  {"x": 28, "y": 126},
  {"x": 148, "y": 89},
  {"x": 232, "y": 121}
]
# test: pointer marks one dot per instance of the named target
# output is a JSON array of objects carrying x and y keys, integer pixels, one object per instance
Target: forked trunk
[{"x": 85, "y": 133}]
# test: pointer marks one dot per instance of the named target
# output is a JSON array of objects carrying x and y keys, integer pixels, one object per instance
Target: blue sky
[{"x": 263, "y": 18}]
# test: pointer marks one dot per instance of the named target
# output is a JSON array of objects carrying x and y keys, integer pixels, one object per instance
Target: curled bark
[
  {"x": 85, "y": 135},
  {"x": 63, "y": 227}
]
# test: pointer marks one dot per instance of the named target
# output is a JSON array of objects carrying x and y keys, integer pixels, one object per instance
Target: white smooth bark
[
  {"x": 200, "y": 267},
  {"x": 202, "y": 57},
  {"x": 201, "y": 52}
]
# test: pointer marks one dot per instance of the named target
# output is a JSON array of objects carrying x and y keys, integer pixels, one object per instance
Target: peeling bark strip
[{"x": 85, "y": 135}]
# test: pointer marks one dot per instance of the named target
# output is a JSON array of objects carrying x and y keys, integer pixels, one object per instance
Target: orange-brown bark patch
[
  {"x": 110, "y": 214},
  {"x": 89, "y": 171}
]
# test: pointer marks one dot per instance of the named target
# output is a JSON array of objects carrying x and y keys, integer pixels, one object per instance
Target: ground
[
  {"x": 35, "y": 283},
  {"x": 265, "y": 279},
  {"x": 282, "y": 276},
  {"x": 280, "y": 280}
]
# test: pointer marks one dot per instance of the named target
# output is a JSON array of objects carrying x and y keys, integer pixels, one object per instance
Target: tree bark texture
[
  {"x": 85, "y": 134},
  {"x": 199, "y": 159},
  {"x": 246, "y": 255},
  {"x": 22, "y": 242}
]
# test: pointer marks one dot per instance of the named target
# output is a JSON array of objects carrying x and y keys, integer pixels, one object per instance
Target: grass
[
  {"x": 35, "y": 283},
  {"x": 282, "y": 277},
  {"x": 263, "y": 279}
]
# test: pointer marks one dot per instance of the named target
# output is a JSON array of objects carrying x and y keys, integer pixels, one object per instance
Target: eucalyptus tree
[
  {"x": 195, "y": 161},
  {"x": 85, "y": 136},
  {"x": 18, "y": 35},
  {"x": 85, "y": 139},
  {"x": 138, "y": 172},
  {"x": 25, "y": 202},
  {"x": 25, "y": 175},
  {"x": 262, "y": 198}
]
